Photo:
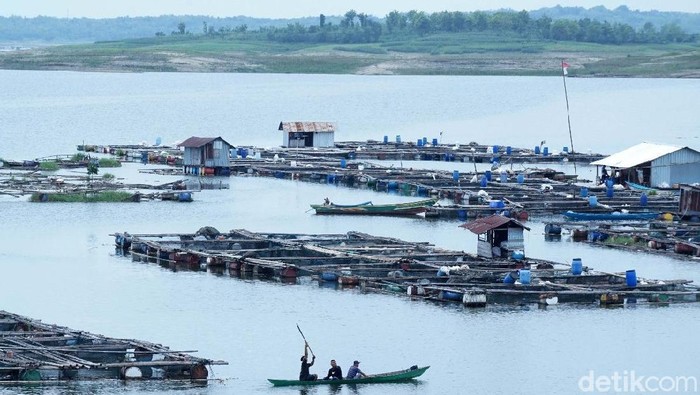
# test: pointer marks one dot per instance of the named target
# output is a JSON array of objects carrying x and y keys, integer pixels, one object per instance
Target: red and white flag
[{"x": 564, "y": 67}]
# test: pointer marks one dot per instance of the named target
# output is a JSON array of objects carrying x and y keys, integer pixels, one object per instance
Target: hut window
[{"x": 218, "y": 145}]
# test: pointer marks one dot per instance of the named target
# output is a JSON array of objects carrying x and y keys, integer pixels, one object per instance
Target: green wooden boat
[
  {"x": 390, "y": 377},
  {"x": 410, "y": 208}
]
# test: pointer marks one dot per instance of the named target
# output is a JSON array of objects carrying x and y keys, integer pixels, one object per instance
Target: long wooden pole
[
  {"x": 568, "y": 117},
  {"x": 307, "y": 343}
]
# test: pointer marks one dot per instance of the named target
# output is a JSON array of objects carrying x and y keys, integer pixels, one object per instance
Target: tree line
[{"x": 359, "y": 28}]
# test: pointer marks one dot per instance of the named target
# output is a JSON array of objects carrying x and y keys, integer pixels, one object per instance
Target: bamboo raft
[
  {"x": 32, "y": 351},
  {"x": 388, "y": 265}
]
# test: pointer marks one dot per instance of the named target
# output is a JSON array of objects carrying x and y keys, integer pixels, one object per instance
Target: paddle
[{"x": 307, "y": 343}]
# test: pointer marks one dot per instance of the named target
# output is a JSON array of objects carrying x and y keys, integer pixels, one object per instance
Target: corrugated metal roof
[
  {"x": 483, "y": 225},
  {"x": 196, "y": 142},
  {"x": 636, "y": 155},
  {"x": 316, "y": 127}
]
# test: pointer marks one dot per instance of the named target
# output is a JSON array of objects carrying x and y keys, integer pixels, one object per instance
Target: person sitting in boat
[
  {"x": 335, "y": 372},
  {"x": 326, "y": 202},
  {"x": 354, "y": 372},
  {"x": 304, "y": 375}
]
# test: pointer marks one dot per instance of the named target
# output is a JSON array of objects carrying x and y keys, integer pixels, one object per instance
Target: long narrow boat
[
  {"x": 638, "y": 187},
  {"x": 390, "y": 377},
  {"x": 410, "y": 208},
  {"x": 616, "y": 216}
]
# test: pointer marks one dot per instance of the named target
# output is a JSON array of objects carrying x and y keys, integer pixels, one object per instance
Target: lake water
[{"x": 59, "y": 264}]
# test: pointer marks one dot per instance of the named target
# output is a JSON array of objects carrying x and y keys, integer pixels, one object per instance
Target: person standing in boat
[
  {"x": 354, "y": 372},
  {"x": 335, "y": 372},
  {"x": 304, "y": 374}
]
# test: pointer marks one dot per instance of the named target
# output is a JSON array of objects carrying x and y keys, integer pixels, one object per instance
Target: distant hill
[
  {"x": 52, "y": 30},
  {"x": 690, "y": 23}
]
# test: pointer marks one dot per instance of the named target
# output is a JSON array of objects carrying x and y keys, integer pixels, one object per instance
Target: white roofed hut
[
  {"x": 307, "y": 134},
  {"x": 652, "y": 165}
]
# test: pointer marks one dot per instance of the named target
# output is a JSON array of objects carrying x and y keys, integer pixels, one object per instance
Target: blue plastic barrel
[
  {"x": 393, "y": 185},
  {"x": 455, "y": 175},
  {"x": 576, "y": 266},
  {"x": 329, "y": 276},
  {"x": 545, "y": 151},
  {"x": 504, "y": 176},
  {"x": 518, "y": 255},
  {"x": 643, "y": 199},
  {"x": 537, "y": 150},
  {"x": 495, "y": 149},
  {"x": 524, "y": 276},
  {"x": 144, "y": 157},
  {"x": 425, "y": 141},
  {"x": 184, "y": 197},
  {"x": 565, "y": 149},
  {"x": 419, "y": 143},
  {"x": 484, "y": 182},
  {"x": 609, "y": 192},
  {"x": 487, "y": 174},
  {"x": 509, "y": 150},
  {"x": 330, "y": 179},
  {"x": 398, "y": 138},
  {"x": 343, "y": 163},
  {"x": 592, "y": 201},
  {"x": 462, "y": 214},
  {"x": 244, "y": 152},
  {"x": 631, "y": 278},
  {"x": 435, "y": 142},
  {"x": 521, "y": 178},
  {"x": 386, "y": 139},
  {"x": 584, "y": 192},
  {"x": 510, "y": 277}
]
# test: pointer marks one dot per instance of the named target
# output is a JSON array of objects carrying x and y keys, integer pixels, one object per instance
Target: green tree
[
  {"x": 322, "y": 20},
  {"x": 181, "y": 28}
]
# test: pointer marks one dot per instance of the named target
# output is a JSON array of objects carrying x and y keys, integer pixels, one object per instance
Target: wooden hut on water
[
  {"x": 498, "y": 236},
  {"x": 689, "y": 205},
  {"x": 206, "y": 156},
  {"x": 654, "y": 165},
  {"x": 308, "y": 134}
]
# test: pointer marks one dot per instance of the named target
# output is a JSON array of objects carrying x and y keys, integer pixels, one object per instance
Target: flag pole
[{"x": 568, "y": 116}]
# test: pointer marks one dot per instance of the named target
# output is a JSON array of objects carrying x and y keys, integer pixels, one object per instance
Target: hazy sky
[{"x": 300, "y": 8}]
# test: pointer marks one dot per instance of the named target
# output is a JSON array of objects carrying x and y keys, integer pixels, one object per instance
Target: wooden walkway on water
[
  {"x": 32, "y": 351},
  {"x": 380, "y": 264}
]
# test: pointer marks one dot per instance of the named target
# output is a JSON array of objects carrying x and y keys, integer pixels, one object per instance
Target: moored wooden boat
[
  {"x": 616, "y": 216},
  {"x": 397, "y": 209},
  {"x": 390, "y": 377}
]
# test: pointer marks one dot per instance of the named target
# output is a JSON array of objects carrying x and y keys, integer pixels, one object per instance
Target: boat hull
[
  {"x": 399, "y": 209},
  {"x": 609, "y": 216},
  {"x": 391, "y": 377}
]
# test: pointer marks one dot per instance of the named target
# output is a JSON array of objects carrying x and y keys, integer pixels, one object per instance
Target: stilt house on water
[
  {"x": 499, "y": 236},
  {"x": 689, "y": 205},
  {"x": 307, "y": 134},
  {"x": 206, "y": 156},
  {"x": 653, "y": 165}
]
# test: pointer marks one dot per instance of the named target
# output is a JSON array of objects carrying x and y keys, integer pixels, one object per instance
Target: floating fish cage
[
  {"x": 33, "y": 351},
  {"x": 417, "y": 270}
]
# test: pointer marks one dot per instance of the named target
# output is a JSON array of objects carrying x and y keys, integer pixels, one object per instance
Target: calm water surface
[{"x": 59, "y": 265}]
